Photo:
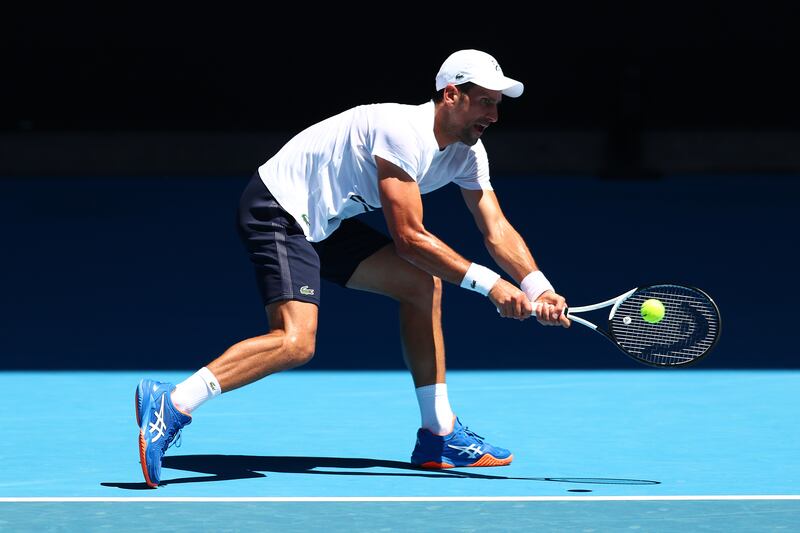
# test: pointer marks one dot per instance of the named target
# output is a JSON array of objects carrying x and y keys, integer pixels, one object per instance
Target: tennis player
[{"x": 298, "y": 221}]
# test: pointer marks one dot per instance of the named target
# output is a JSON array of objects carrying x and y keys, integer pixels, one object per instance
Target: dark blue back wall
[{"x": 149, "y": 273}]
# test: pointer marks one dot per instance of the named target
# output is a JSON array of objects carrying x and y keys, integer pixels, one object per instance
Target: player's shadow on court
[{"x": 230, "y": 467}]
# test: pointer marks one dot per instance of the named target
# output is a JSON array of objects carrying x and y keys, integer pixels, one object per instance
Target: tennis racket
[{"x": 689, "y": 330}]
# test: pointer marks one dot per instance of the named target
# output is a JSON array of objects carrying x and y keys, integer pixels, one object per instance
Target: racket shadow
[{"x": 230, "y": 467}]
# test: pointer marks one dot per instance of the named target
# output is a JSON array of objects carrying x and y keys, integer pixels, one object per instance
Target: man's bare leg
[
  {"x": 441, "y": 442},
  {"x": 420, "y": 298},
  {"x": 290, "y": 343}
]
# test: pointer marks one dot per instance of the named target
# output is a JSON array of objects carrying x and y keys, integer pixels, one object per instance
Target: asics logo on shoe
[
  {"x": 472, "y": 451},
  {"x": 158, "y": 426}
]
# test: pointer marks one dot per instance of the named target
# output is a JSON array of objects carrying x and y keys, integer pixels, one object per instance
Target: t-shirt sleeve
[
  {"x": 475, "y": 174},
  {"x": 396, "y": 142}
]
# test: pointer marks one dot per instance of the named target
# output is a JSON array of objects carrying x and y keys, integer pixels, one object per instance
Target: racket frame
[{"x": 616, "y": 302}]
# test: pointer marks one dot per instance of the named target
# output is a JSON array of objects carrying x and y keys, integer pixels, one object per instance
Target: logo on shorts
[{"x": 305, "y": 290}]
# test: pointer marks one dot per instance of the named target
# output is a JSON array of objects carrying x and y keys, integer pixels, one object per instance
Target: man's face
[{"x": 474, "y": 112}]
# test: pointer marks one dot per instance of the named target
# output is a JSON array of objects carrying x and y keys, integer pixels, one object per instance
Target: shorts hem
[{"x": 290, "y": 297}]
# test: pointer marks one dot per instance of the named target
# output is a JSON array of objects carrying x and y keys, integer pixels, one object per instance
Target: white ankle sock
[
  {"x": 195, "y": 391},
  {"x": 437, "y": 416}
]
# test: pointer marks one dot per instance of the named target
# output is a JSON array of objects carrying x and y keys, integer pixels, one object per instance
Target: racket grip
[{"x": 537, "y": 306}]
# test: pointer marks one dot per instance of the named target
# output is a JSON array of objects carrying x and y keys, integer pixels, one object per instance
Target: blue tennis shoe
[
  {"x": 462, "y": 447},
  {"x": 159, "y": 424}
]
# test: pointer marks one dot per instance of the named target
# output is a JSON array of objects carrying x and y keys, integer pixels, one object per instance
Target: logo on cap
[{"x": 479, "y": 68}]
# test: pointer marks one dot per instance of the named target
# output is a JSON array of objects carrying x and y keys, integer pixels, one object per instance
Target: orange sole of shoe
[
  {"x": 486, "y": 460},
  {"x": 142, "y": 448}
]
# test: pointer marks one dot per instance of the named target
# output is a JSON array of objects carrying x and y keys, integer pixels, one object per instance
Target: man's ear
[{"x": 451, "y": 94}]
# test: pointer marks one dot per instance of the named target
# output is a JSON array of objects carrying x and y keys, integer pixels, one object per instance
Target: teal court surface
[{"x": 595, "y": 450}]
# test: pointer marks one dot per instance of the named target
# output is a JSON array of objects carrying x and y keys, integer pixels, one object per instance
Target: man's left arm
[{"x": 512, "y": 254}]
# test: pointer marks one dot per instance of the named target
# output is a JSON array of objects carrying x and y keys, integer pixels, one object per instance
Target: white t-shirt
[{"x": 327, "y": 172}]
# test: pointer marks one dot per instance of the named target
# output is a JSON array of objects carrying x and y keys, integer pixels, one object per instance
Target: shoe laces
[
  {"x": 173, "y": 439},
  {"x": 177, "y": 440},
  {"x": 473, "y": 434}
]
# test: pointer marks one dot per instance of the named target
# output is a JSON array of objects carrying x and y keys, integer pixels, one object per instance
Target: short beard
[{"x": 467, "y": 137}]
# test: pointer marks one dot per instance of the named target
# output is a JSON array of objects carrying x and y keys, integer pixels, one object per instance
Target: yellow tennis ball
[{"x": 652, "y": 311}]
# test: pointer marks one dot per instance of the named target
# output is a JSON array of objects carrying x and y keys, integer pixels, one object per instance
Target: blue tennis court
[
  {"x": 608, "y": 446},
  {"x": 693, "y": 449}
]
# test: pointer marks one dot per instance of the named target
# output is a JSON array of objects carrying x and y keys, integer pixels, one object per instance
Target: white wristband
[
  {"x": 534, "y": 284},
  {"x": 479, "y": 279}
]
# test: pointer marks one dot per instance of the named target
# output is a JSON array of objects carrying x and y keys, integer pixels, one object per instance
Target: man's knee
[
  {"x": 296, "y": 325},
  {"x": 299, "y": 348},
  {"x": 422, "y": 289}
]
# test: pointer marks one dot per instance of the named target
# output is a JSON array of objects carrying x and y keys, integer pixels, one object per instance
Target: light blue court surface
[{"x": 651, "y": 449}]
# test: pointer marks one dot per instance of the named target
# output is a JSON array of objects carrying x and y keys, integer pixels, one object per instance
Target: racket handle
[{"x": 536, "y": 306}]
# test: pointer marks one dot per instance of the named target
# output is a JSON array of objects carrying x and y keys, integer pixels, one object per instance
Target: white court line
[{"x": 388, "y": 499}]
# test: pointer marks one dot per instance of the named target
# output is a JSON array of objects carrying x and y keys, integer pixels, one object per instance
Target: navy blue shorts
[{"x": 289, "y": 267}]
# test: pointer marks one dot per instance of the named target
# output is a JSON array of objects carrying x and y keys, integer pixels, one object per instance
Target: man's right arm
[{"x": 402, "y": 207}]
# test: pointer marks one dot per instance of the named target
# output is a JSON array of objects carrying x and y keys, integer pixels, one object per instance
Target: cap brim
[{"x": 507, "y": 86}]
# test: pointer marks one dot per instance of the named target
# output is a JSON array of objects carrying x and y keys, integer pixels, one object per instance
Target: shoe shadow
[{"x": 230, "y": 467}]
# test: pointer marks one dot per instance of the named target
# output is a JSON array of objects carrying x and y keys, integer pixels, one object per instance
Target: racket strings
[{"x": 688, "y": 330}]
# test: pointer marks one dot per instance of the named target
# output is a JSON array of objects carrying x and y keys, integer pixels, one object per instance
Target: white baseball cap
[{"x": 478, "y": 67}]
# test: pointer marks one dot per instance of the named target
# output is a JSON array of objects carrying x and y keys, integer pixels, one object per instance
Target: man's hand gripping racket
[{"x": 659, "y": 325}]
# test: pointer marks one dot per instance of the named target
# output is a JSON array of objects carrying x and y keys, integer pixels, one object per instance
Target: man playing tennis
[{"x": 298, "y": 221}]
